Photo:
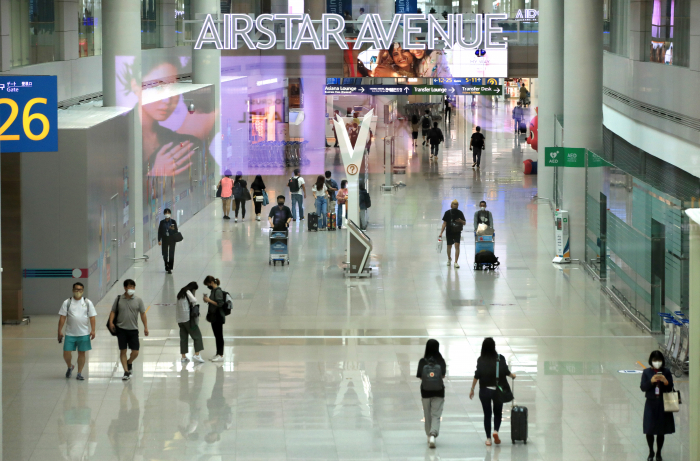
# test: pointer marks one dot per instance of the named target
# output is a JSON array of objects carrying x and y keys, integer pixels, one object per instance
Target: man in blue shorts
[{"x": 78, "y": 315}]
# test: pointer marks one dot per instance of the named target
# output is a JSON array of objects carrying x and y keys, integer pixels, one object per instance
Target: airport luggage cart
[
  {"x": 677, "y": 342},
  {"x": 481, "y": 243},
  {"x": 279, "y": 247}
]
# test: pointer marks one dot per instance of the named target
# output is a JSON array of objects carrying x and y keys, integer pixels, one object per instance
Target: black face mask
[
  {"x": 210, "y": 287},
  {"x": 280, "y": 203}
]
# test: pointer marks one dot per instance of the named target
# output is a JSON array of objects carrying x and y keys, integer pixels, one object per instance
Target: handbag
[
  {"x": 218, "y": 191},
  {"x": 177, "y": 237},
  {"x": 503, "y": 392},
  {"x": 116, "y": 313},
  {"x": 266, "y": 200},
  {"x": 672, "y": 401}
]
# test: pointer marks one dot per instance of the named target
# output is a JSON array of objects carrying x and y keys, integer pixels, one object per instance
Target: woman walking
[
  {"x": 656, "y": 381},
  {"x": 215, "y": 315},
  {"x": 431, "y": 372},
  {"x": 415, "y": 128},
  {"x": 226, "y": 185},
  {"x": 320, "y": 193},
  {"x": 491, "y": 369},
  {"x": 240, "y": 195},
  {"x": 257, "y": 189},
  {"x": 342, "y": 197},
  {"x": 189, "y": 326}
]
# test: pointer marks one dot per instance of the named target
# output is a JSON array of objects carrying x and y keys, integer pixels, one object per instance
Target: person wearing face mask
[
  {"x": 124, "y": 320},
  {"x": 280, "y": 216},
  {"x": 656, "y": 381},
  {"x": 78, "y": 315},
  {"x": 166, "y": 234},
  {"x": 216, "y": 299},
  {"x": 483, "y": 216}
]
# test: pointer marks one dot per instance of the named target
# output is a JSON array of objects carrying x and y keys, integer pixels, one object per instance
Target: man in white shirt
[
  {"x": 78, "y": 315},
  {"x": 297, "y": 189}
]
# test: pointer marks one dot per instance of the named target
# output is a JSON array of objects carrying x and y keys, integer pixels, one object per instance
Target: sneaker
[
  {"x": 80, "y": 377},
  {"x": 235, "y": 219},
  {"x": 488, "y": 442},
  {"x": 198, "y": 358},
  {"x": 70, "y": 371},
  {"x": 473, "y": 165},
  {"x": 456, "y": 266},
  {"x": 449, "y": 262},
  {"x": 226, "y": 217},
  {"x": 170, "y": 272},
  {"x": 496, "y": 438},
  {"x": 131, "y": 367},
  {"x": 184, "y": 360},
  {"x": 217, "y": 358},
  {"x": 257, "y": 218},
  {"x": 126, "y": 377},
  {"x": 431, "y": 441}
]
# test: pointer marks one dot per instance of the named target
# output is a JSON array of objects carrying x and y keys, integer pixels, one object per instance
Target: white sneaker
[
  {"x": 257, "y": 218},
  {"x": 217, "y": 358},
  {"x": 198, "y": 358},
  {"x": 456, "y": 266},
  {"x": 449, "y": 262},
  {"x": 431, "y": 441},
  {"x": 184, "y": 360},
  {"x": 235, "y": 219}
]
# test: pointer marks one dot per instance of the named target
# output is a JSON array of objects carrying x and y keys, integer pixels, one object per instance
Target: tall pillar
[
  {"x": 694, "y": 301},
  {"x": 485, "y": 7},
  {"x": 583, "y": 103},
  {"x": 5, "y": 38},
  {"x": 66, "y": 30},
  {"x": 206, "y": 69},
  {"x": 551, "y": 98},
  {"x": 166, "y": 23},
  {"x": 121, "y": 86}
]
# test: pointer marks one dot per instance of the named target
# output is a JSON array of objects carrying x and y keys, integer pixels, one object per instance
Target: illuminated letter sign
[{"x": 29, "y": 114}]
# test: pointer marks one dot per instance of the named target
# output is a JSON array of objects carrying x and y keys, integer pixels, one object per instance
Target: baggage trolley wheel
[{"x": 678, "y": 372}]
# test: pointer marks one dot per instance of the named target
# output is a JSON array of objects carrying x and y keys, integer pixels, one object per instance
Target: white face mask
[
  {"x": 77, "y": 294},
  {"x": 167, "y": 216},
  {"x": 130, "y": 292},
  {"x": 483, "y": 208},
  {"x": 656, "y": 364}
]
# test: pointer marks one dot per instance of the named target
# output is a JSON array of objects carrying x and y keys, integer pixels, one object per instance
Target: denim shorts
[{"x": 80, "y": 343}]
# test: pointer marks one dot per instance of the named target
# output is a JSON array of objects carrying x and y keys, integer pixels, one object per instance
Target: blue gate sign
[
  {"x": 406, "y": 6},
  {"x": 28, "y": 113}
]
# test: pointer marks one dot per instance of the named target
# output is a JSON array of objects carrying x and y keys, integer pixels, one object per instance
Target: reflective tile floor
[{"x": 318, "y": 367}]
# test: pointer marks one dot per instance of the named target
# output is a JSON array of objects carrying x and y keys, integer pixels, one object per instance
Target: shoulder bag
[
  {"x": 265, "y": 198},
  {"x": 194, "y": 313},
  {"x": 672, "y": 401},
  {"x": 116, "y": 313},
  {"x": 503, "y": 391},
  {"x": 455, "y": 227}
]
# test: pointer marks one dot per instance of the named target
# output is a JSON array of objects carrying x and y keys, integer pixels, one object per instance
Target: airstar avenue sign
[{"x": 240, "y": 29}]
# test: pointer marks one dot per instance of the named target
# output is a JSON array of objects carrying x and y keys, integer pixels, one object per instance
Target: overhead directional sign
[{"x": 451, "y": 90}]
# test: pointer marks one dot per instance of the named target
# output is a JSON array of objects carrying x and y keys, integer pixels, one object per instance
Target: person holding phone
[
  {"x": 166, "y": 239},
  {"x": 216, "y": 300},
  {"x": 656, "y": 381}
]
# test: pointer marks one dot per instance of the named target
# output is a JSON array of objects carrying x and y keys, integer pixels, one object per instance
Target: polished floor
[{"x": 318, "y": 367}]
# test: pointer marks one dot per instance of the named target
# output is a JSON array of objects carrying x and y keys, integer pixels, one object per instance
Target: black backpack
[
  {"x": 426, "y": 122},
  {"x": 238, "y": 191},
  {"x": 431, "y": 376},
  {"x": 293, "y": 184},
  {"x": 455, "y": 227},
  {"x": 486, "y": 257}
]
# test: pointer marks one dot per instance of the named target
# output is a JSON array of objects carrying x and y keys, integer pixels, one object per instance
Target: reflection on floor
[{"x": 319, "y": 367}]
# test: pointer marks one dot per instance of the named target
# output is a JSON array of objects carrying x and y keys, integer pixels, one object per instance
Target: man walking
[
  {"x": 476, "y": 145},
  {"x": 332, "y": 187},
  {"x": 435, "y": 137},
  {"x": 425, "y": 123},
  {"x": 448, "y": 111},
  {"x": 166, "y": 239},
  {"x": 297, "y": 190},
  {"x": 518, "y": 116},
  {"x": 124, "y": 320},
  {"x": 78, "y": 315}
]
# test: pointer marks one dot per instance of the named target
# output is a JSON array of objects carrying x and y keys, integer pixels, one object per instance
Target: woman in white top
[
  {"x": 321, "y": 196},
  {"x": 189, "y": 326}
]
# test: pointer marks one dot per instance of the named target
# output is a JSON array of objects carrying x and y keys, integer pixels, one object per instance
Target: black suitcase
[
  {"x": 313, "y": 222},
  {"x": 518, "y": 422},
  {"x": 522, "y": 128}
]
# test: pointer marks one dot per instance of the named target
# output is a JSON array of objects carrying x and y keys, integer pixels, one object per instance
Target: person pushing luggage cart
[
  {"x": 484, "y": 234},
  {"x": 279, "y": 219}
]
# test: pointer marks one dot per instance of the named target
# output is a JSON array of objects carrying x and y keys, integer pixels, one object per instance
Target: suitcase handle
[{"x": 512, "y": 402}]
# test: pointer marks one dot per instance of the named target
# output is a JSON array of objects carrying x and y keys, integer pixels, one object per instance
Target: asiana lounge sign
[{"x": 239, "y": 30}]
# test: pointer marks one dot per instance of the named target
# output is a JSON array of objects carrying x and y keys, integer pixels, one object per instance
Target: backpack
[
  {"x": 238, "y": 191},
  {"x": 116, "y": 314},
  {"x": 486, "y": 257},
  {"x": 293, "y": 184},
  {"x": 425, "y": 124},
  {"x": 228, "y": 304},
  {"x": 431, "y": 376},
  {"x": 455, "y": 227}
]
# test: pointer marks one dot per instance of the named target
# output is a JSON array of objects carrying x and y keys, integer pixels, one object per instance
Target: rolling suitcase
[
  {"x": 331, "y": 221},
  {"x": 313, "y": 222},
  {"x": 518, "y": 422},
  {"x": 522, "y": 128}
]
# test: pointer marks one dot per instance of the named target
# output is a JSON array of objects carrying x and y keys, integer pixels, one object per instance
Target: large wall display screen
[{"x": 28, "y": 113}]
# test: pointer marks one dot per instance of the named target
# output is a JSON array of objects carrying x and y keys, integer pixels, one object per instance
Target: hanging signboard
[
  {"x": 406, "y": 6},
  {"x": 28, "y": 113},
  {"x": 565, "y": 156}
]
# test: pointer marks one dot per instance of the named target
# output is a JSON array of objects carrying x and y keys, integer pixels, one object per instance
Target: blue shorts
[{"x": 79, "y": 343}]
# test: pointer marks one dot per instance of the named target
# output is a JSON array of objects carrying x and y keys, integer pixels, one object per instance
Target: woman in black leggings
[
  {"x": 257, "y": 189},
  {"x": 486, "y": 375},
  {"x": 216, "y": 301},
  {"x": 244, "y": 195}
]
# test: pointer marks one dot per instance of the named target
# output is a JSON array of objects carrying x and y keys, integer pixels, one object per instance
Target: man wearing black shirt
[
  {"x": 477, "y": 144},
  {"x": 453, "y": 221},
  {"x": 280, "y": 216}
]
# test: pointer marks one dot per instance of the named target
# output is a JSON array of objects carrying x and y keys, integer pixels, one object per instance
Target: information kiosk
[{"x": 360, "y": 249}]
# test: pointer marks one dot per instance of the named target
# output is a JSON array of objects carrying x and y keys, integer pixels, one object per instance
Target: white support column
[
  {"x": 583, "y": 103},
  {"x": 206, "y": 69},
  {"x": 166, "y": 23},
  {"x": 66, "y": 30},
  {"x": 5, "y": 38},
  {"x": 121, "y": 86},
  {"x": 550, "y": 99},
  {"x": 694, "y": 305},
  {"x": 485, "y": 7}
]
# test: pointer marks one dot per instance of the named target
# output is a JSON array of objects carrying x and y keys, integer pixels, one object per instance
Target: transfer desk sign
[{"x": 28, "y": 114}]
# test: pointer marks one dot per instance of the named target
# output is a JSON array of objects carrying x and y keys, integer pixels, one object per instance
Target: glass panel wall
[
  {"x": 667, "y": 25},
  {"x": 32, "y": 30},
  {"x": 182, "y": 13},
  {"x": 89, "y": 27},
  {"x": 615, "y": 26},
  {"x": 150, "y": 37}
]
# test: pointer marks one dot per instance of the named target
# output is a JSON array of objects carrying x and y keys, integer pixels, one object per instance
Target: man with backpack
[
  {"x": 435, "y": 137},
  {"x": 297, "y": 190},
  {"x": 425, "y": 124},
  {"x": 78, "y": 315},
  {"x": 477, "y": 145}
]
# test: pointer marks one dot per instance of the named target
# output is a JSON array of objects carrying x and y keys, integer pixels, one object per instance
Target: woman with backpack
[
  {"x": 431, "y": 372},
  {"x": 240, "y": 195},
  {"x": 415, "y": 127},
  {"x": 491, "y": 370},
  {"x": 215, "y": 315},
  {"x": 453, "y": 221},
  {"x": 188, "y": 320}
]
